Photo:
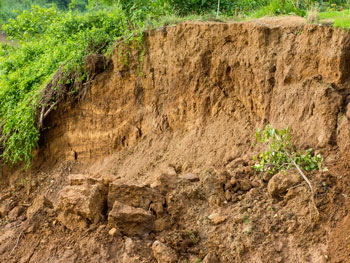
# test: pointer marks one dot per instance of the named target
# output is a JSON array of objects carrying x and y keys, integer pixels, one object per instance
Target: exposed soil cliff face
[
  {"x": 156, "y": 167},
  {"x": 286, "y": 75}
]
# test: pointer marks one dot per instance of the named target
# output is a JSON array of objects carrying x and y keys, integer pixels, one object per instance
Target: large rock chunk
[
  {"x": 82, "y": 202},
  {"x": 281, "y": 182},
  {"x": 163, "y": 253},
  {"x": 130, "y": 220}
]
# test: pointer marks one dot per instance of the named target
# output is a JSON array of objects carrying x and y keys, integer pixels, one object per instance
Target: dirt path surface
[{"x": 156, "y": 167}]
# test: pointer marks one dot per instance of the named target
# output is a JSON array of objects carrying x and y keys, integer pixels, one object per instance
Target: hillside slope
[{"x": 156, "y": 167}]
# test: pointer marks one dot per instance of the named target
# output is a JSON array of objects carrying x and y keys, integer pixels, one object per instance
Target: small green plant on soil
[{"x": 281, "y": 154}]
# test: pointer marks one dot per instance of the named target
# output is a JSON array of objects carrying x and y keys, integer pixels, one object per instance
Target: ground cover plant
[{"x": 281, "y": 154}]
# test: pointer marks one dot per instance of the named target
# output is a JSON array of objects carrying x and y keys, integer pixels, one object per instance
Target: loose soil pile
[{"x": 156, "y": 167}]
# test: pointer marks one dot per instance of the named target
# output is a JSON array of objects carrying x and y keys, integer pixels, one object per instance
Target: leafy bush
[{"x": 281, "y": 154}]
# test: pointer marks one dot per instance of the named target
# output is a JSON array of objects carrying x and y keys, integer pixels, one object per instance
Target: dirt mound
[{"x": 156, "y": 167}]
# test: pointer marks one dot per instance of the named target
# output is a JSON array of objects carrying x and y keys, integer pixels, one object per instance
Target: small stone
[
  {"x": 233, "y": 181},
  {"x": 281, "y": 182},
  {"x": 163, "y": 253},
  {"x": 248, "y": 229},
  {"x": 228, "y": 195},
  {"x": 130, "y": 220},
  {"x": 245, "y": 185},
  {"x": 216, "y": 218},
  {"x": 235, "y": 163},
  {"x": 129, "y": 245},
  {"x": 279, "y": 247},
  {"x": 113, "y": 232},
  {"x": 190, "y": 177},
  {"x": 210, "y": 258}
]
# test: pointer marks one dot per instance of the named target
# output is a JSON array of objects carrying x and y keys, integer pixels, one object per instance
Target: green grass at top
[
  {"x": 340, "y": 19},
  {"x": 342, "y": 22},
  {"x": 335, "y": 14}
]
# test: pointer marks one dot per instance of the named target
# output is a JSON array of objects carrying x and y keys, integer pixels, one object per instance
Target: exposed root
[{"x": 14, "y": 248}]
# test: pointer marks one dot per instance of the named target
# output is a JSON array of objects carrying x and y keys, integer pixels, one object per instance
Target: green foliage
[
  {"x": 277, "y": 7},
  {"x": 229, "y": 7},
  {"x": 48, "y": 40},
  {"x": 340, "y": 19},
  {"x": 281, "y": 153},
  {"x": 10, "y": 9}
]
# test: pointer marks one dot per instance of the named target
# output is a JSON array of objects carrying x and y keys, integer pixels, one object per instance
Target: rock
[
  {"x": 133, "y": 195},
  {"x": 237, "y": 162},
  {"x": 245, "y": 185},
  {"x": 216, "y": 218},
  {"x": 281, "y": 182},
  {"x": 163, "y": 253},
  {"x": 190, "y": 177},
  {"x": 15, "y": 212},
  {"x": 228, "y": 195},
  {"x": 82, "y": 202},
  {"x": 39, "y": 205},
  {"x": 129, "y": 246},
  {"x": 130, "y": 220},
  {"x": 113, "y": 232},
  {"x": 210, "y": 258},
  {"x": 247, "y": 229}
]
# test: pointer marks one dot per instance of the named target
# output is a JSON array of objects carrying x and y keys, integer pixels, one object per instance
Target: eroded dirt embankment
[{"x": 157, "y": 167}]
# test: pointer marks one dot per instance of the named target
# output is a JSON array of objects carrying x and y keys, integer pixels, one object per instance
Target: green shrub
[{"x": 280, "y": 153}]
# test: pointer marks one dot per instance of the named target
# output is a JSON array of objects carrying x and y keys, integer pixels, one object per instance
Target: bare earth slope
[{"x": 156, "y": 167}]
